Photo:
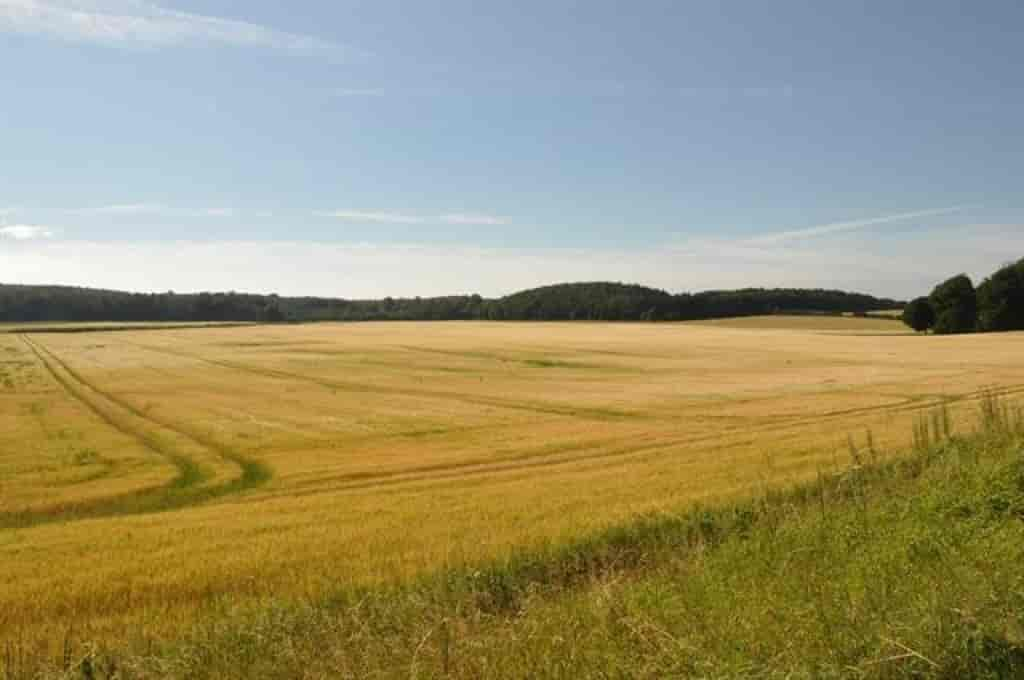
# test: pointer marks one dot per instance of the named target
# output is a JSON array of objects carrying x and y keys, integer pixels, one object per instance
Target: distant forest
[{"x": 563, "y": 302}]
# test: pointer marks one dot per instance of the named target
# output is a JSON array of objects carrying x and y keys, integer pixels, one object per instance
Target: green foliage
[
  {"x": 956, "y": 306},
  {"x": 758, "y": 301},
  {"x": 919, "y": 314},
  {"x": 1001, "y": 299},
  {"x": 564, "y": 302},
  {"x": 586, "y": 301},
  {"x": 600, "y": 301},
  {"x": 272, "y": 312}
]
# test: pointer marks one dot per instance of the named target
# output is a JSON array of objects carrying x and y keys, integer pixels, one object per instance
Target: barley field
[{"x": 151, "y": 477}]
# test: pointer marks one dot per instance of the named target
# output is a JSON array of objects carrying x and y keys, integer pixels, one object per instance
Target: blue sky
[{"x": 361, "y": 148}]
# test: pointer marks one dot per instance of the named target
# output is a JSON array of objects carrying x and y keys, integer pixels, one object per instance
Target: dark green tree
[
  {"x": 272, "y": 313},
  {"x": 1001, "y": 299},
  {"x": 576, "y": 301},
  {"x": 919, "y": 314},
  {"x": 956, "y": 305}
]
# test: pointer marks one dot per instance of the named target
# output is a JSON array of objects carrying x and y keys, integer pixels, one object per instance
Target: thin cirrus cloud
[
  {"x": 146, "y": 24},
  {"x": 837, "y": 227},
  {"x": 152, "y": 209},
  {"x": 403, "y": 218},
  {"x": 25, "y": 232},
  {"x": 122, "y": 209}
]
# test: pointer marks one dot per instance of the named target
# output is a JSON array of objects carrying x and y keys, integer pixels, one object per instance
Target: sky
[{"x": 421, "y": 147}]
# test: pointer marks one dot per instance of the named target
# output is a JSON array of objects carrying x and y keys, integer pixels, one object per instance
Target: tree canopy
[
  {"x": 1001, "y": 299},
  {"x": 919, "y": 314},
  {"x": 956, "y": 305},
  {"x": 570, "y": 301}
]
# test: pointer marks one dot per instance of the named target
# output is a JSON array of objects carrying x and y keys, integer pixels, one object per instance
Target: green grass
[{"x": 907, "y": 568}]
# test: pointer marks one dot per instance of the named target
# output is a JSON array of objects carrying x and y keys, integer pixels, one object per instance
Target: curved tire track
[
  {"x": 254, "y": 472},
  {"x": 185, "y": 489}
]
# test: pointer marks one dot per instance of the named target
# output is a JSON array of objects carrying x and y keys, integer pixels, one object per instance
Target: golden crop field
[{"x": 150, "y": 476}]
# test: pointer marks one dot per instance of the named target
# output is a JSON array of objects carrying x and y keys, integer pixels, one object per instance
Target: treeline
[
  {"x": 622, "y": 302},
  {"x": 574, "y": 301},
  {"x": 64, "y": 303},
  {"x": 956, "y": 306}
]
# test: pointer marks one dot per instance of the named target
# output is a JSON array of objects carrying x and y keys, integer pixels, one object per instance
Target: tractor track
[
  {"x": 255, "y": 474},
  {"x": 907, "y": 404},
  {"x": 359, "y": 481},
  {"x": 187, "y": 488},
  {"x": 601, "y": 414},
  {"x": 362, "y": 481}
]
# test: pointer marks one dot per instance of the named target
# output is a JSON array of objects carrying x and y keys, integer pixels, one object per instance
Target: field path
[{"x": 195, "y": 456}]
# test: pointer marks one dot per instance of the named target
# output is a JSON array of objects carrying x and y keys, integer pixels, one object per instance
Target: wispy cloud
[
  {"x": 25, "y": 232},
  {"x": 213, "y": 212},
  {"x": 498, "y": 86},
  {"x": 463, "y": 218},
  {"x": 403, "y": 218},
  {"x": 378, "y": 217},
  {"x": 122, "y": 209},
  {"x": 152, "y": 209},
  {"x": 142, "y": 23},
  {"x": 836, "y": 227}
]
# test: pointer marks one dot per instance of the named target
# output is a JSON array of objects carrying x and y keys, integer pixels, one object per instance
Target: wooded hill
[{"x": 570, "y": 301}]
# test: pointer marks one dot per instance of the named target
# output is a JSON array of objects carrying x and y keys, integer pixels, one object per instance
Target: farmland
[{"x": 149, "y": 478}]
